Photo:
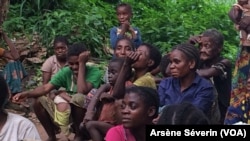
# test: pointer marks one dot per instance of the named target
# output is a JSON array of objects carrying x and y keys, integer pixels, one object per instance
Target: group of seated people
[{"x": 191, "y": 84}]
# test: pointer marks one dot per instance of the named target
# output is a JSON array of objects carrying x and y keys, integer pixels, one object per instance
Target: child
[
  {"x": 124, "y": 14},
  {"x": 78, "y": 79},
  {"x": 143, "y": 61},
  {"x": 109, "y": 115},
  {"x": 55, "y": 62},
  {"x": 139, "y": 107},
  {"x": 240, "y": 12}
]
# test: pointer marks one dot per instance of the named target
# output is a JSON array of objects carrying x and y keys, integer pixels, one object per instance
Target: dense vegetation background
[{"x": 163, "y": 23}]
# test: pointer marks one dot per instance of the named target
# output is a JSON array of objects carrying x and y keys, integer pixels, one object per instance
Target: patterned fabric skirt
[
  {"x": 240, "y": 74},
  {"x": 13, "y": 73},
  {"x": 239, "y": 102}
]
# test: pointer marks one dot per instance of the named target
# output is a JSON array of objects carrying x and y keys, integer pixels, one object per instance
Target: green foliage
[{"x": 162, "y": 23}]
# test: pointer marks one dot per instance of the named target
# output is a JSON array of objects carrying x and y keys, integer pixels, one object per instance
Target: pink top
[
  {"x": 51, "y": 65},
  {"x": 119, "y": 133}
]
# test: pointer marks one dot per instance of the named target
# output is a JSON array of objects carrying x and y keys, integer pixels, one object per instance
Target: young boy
[
  {"x": 98, "y": 123},
  {"x": 78, "y": 79},
  {"x": 125, "y": 29}
]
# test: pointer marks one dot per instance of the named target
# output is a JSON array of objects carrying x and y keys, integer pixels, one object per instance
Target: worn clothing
[
  {"x": 115, "y": 35},
  {"x": 18, "y": 128},
  {"x": 200, "y": 93},
  {"x": 51, "y": 65},
  {"x": 223, "y": 86},
  {"x": 146, "y": 80},
  {"x": 49, "y": 105},
  {"x": 64, "y": 78},
  {"x": 119, "y": 133}
]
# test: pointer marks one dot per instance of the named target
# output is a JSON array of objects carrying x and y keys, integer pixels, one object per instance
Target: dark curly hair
[
  {"x": 183, "y": 114},
  {"x": 76, "y": 49},
  {"x": 149, "y": 96}
]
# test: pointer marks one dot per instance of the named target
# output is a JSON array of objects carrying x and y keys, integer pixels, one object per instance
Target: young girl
[
  {"x": 109, "y": 114},
  {"x": 139, "y": 108},
  {"x": 125, "y": 29},
  {"x": 55, "y": 62}
]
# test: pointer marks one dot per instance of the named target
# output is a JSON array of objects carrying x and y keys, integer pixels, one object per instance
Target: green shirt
[{"x": 64, "y": 78}]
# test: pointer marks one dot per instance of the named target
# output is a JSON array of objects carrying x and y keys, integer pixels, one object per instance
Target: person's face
[
  {"x": 60, "y": 50},
  {"x": 143, "y": 61},
  {"x": 207, "y": 49},
  {"x": 134, "y": 112},
  {"x": 113, "y": 72},
  {"x": 180, "y": 65},
  {"x": 73, "y": 64},
  {"x": 123, "y": 48},
  {"x": 123, "y": 14}
]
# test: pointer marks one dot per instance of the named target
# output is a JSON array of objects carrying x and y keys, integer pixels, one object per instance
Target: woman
[
  {"x": 139, "y": 108},
  {"x": 185, "y": 84}
]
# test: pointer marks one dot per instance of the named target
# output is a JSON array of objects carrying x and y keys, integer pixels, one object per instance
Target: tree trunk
[{"x": 4, "y": 5}]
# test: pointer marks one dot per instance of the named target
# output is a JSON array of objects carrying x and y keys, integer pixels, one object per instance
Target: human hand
[
  {"x": 195, "y": 39},
  {"x": 105, "y": 87},
  {"x": 84, "y": 57},
  {"x": 125, "y": 26},
  {"x": 19, "y": 98},
  {"x": 132, "y": 57}
]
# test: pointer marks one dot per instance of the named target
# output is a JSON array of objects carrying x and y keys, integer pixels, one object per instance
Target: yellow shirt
[{"x": 146, "y": 80}]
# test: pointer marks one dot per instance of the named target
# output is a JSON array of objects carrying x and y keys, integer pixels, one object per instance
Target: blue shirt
[
  {"x": 114, "y": 36},
  {"x": 199, "y": 93}
]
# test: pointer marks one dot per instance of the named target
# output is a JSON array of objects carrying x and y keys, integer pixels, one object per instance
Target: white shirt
[{"x": 18, "y": 128}]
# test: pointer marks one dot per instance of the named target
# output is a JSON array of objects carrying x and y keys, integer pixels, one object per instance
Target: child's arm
[
  {"x": 119, "y": 87},
  {"x": 13, "y": 53},
  {"x": 90, "y": 110}
]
